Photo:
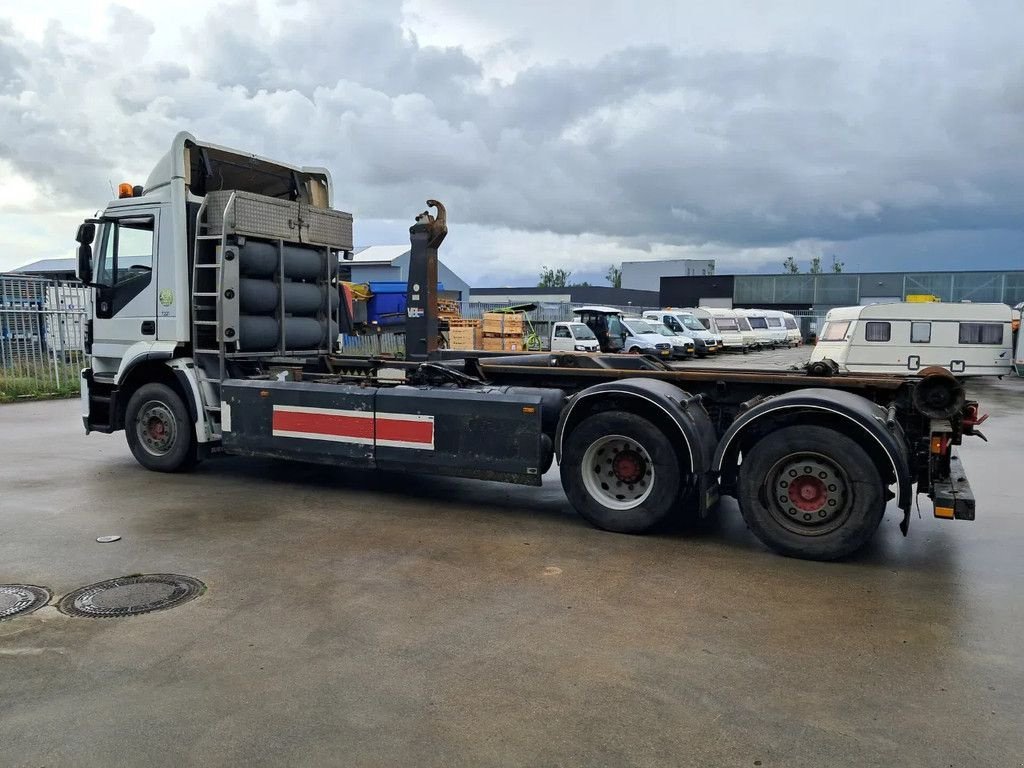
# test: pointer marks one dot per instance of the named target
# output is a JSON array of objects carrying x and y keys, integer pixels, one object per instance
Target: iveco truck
[{"x": 213, "y": 328}]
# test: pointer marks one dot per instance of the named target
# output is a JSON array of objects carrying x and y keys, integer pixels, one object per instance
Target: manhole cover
[
  {"x": 131, "y": 595},
  {"x": 19, "y": 599}
]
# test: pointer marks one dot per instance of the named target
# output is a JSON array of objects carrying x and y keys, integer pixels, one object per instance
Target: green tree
[
  {"x": 789, "y": 266},
  {"x": 815, "y": 266},
  {"x": 837, "y": 265},
  {"x": 553, "y": 278},
  {"x": 614, "y": 276}
]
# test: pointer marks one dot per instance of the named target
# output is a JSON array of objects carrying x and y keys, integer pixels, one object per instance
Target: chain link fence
[{"x": 42, "y": 336}]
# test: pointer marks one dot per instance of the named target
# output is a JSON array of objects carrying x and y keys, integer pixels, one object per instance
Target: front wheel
[
  {"x": 811, "y": 492},
  {"x": 159, "y": 431},
  {"x": 621, "y": 473}
]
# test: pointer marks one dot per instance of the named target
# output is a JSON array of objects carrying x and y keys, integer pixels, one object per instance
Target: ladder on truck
[{"x": 222, "y": 226}]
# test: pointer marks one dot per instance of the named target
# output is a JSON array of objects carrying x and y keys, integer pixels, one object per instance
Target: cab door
[{"x": 124, "y": 292}]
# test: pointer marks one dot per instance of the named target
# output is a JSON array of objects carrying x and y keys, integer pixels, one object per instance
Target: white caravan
[
  {"x": 966, "y": 339},
  {"x": 749, "y": 337},
  {"x": 777, "y": 325},
  {"x": 705, "y": 342},
  {"x": 766, "y": 335},
  {"x": 725, "y": 324},
  {"x": 793, "y": 335}
]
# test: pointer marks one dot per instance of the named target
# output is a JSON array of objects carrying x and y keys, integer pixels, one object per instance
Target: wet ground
[{"x": 355, "y": 619}]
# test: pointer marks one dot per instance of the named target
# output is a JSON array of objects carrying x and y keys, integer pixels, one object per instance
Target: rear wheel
[
  {"x": 811, "y": 492},
  {"x": 159, "y": 431},
  {"x": 621, "y": 472}
]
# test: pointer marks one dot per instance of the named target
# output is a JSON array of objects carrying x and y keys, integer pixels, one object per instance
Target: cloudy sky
[{"x": 573, "y": 134}]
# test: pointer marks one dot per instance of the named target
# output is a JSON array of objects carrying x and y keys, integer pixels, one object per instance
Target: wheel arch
[
  {"x": 845, "y": 412},
  {"x": 678, "y": 414},
  {"x": 156, "y": 371}
]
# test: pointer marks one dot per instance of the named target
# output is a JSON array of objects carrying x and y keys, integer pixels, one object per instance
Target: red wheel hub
[
  {"x": 808, "y": 493},
  {"x": 628, "y": 467}
]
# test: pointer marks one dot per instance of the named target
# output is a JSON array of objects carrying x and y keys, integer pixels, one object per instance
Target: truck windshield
[{"x": 580, "y": 331}]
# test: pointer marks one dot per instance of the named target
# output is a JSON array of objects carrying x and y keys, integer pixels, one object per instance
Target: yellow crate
[
  {"x": 503, "y": 323},
  {"x": 502, "y": 344},
  {"x": 463, "y": 338}
]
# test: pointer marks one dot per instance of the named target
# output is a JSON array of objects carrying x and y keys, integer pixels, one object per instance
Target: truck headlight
[{"x": 580, "y": 348}]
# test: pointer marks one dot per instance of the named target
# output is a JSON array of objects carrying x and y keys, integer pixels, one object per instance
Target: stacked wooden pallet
[
  {"x": 448, "y": 310},
  {"x": 463, "y": 333},
  {"x": 502, "y": 332}
]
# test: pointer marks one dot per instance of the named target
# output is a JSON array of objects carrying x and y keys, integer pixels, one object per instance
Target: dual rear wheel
[{"x": 805, "y": 491}]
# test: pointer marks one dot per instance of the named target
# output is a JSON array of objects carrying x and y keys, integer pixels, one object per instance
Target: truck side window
[
  {"x": 672, "y": 323},
  {"x": 125, "y": 265},
  {"x": 920, "y": 333},
  {"x": 981, "y": 333},
  {"x": 561, "y": 332},
  {"x": 875, "y": 330}
]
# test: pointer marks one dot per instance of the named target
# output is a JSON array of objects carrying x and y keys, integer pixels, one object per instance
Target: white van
[
  {"x": 725, "y": 324},
  {"x": 704, "y": 341},
  {"x": 573, "y": 337},
  {"x": 966, "y": 339}
]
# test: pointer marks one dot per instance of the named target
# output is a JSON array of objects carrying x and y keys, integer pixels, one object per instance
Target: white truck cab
[
  {"x": 682, "y": 345},
  {"x": 573, "y": 337},
  {"x": 704, "y": 341}
]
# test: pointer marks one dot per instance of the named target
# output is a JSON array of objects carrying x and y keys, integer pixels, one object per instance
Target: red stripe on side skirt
[
  {"x": 324, "y": 424},
  {"x": 405, "y": 431}
]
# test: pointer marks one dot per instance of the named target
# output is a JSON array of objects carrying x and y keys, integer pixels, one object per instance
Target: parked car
[
  {"x": 704, "y": 341},
  {"x": 573, "y": 337},
  {"x": 682, "y": 345}
]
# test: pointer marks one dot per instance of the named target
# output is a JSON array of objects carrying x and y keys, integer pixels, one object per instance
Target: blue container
[{"x": 387, "y": 305}]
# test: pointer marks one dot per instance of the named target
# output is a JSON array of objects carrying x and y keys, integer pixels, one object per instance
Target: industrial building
[
  {"x": 646, "y": 275},
  {"x": 390, "y": 264},
  {"x": 815, "y": 294},
  {"x": 570, "y": 294}
]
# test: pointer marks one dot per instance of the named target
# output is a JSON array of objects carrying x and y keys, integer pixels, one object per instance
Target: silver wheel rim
[
  {"x": 618, "y": 472},
  {"x": 808, "y": 494},
  {"x": 156, "y": 428}
]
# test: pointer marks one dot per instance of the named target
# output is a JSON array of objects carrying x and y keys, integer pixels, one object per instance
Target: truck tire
[
  {"x": 811, "y": 492},
  {"x": 621, "y": 473},
  {"x": 159, "y": 430}
]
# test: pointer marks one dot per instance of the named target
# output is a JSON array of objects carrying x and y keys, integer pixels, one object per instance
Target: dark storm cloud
[{"x": 644, "y": 145}]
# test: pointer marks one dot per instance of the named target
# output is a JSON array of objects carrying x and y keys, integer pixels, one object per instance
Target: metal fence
[{"x": 42, "y": 336}]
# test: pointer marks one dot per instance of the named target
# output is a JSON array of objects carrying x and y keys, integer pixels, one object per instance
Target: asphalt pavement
[{"x": 358, "y": 618}]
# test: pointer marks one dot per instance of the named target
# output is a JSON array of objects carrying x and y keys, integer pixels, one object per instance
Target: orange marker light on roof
[{"x": 124, "y": 189}]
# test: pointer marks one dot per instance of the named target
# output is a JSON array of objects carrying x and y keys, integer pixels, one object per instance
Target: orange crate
[
  {"x": 502, "y": 344},
  {"x": 503, "y": 323},
  {"x": 463, "y": 338}
]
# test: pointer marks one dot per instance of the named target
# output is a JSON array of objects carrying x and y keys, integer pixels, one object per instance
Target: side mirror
[
  {"x": 84, "y": 267},
  {"x": 85, "y": 235}
]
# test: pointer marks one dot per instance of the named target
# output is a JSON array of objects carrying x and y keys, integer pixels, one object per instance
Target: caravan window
[
  {"x": 920, "y": 333},
  {"x": 757, "y": 322},
  {"x": 791, "y": 323},
  {"x": 981, "y": 333},
  {"x": 835, "y": 331},
  {"x": 875, "y": 330},
  {"x": 775, "y": 322}
]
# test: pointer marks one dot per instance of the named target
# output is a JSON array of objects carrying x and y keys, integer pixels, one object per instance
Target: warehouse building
[
  {"x": 817, "y": 293},
  {"x": 646, "y": 275}
]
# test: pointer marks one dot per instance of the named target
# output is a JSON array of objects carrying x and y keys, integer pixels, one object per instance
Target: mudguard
[
  {"x": 866, "y": 420},
  {"x": 681, "y": 409}
]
